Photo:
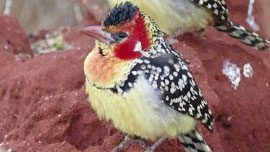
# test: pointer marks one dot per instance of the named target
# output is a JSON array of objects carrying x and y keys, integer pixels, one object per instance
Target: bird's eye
[
  {"x": 119, "y": 36},
  {"x": 122, "y": 35}
]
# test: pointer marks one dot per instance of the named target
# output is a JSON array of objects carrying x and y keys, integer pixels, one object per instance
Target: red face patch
[{"x": 137, "y": 32}]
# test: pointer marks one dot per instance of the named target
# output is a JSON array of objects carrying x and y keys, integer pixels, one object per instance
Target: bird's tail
[
  {"x": 243, "y": 34},
  {"x": 194, "y": 142}
]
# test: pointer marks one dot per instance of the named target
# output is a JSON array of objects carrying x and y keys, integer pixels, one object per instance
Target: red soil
[{"x": 12, "y": 37}]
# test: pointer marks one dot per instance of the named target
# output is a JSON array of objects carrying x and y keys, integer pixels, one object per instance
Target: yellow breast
[
  {"x": 173, "y": 15},
  {"x": 139, "y": 112}
]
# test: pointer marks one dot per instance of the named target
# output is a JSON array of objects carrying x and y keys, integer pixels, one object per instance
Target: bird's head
[{"x": 126, "y": 33}]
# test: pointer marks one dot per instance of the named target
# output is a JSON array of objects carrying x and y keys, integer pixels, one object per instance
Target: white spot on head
[{"x": 138, "y": 47}]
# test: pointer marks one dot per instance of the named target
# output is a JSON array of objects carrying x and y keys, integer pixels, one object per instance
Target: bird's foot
[
  {"x": 154, "y": 146},
  {"x": 128, "y": 140}
]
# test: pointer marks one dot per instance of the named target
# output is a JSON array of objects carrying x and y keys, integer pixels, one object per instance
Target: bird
[
  {"x": 176, "y": 17},
  {"x": 137, "y": 81}
]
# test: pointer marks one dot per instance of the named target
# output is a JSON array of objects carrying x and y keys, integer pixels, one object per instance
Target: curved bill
[{"x": 98, "y": 33}]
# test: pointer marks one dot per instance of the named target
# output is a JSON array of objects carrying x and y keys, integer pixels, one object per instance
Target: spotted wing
[
  {"x": 168, "y": 73},
  {"x": 217, "y": 7}
]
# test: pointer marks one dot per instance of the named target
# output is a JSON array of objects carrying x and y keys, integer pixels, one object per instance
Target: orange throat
[{"x": 105, "y": 71}]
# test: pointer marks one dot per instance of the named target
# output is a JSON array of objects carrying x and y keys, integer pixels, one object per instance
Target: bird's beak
[{"x": 99, "y": 33}]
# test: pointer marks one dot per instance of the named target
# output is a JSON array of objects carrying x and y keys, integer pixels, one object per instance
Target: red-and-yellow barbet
[
  {"x": 142, "y": 85},
  {"x": 179, "y": 16}
]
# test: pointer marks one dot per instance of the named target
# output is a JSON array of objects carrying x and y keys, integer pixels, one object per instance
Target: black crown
[{"x": 121, "y": 13}]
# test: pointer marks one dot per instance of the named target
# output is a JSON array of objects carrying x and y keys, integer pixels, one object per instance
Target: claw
[
  {"x": 153, "y": 147},
  {"x": 128, "y": 140}
]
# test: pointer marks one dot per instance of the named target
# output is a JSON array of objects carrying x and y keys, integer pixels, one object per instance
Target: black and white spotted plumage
[
  {"x": 155, "y": 87},
  {"x": 219, "y": 10},
  {"x": 243, "y": 34},
  {"x": 167, "y": 71},
  {"x": 194, "y": 142}
]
